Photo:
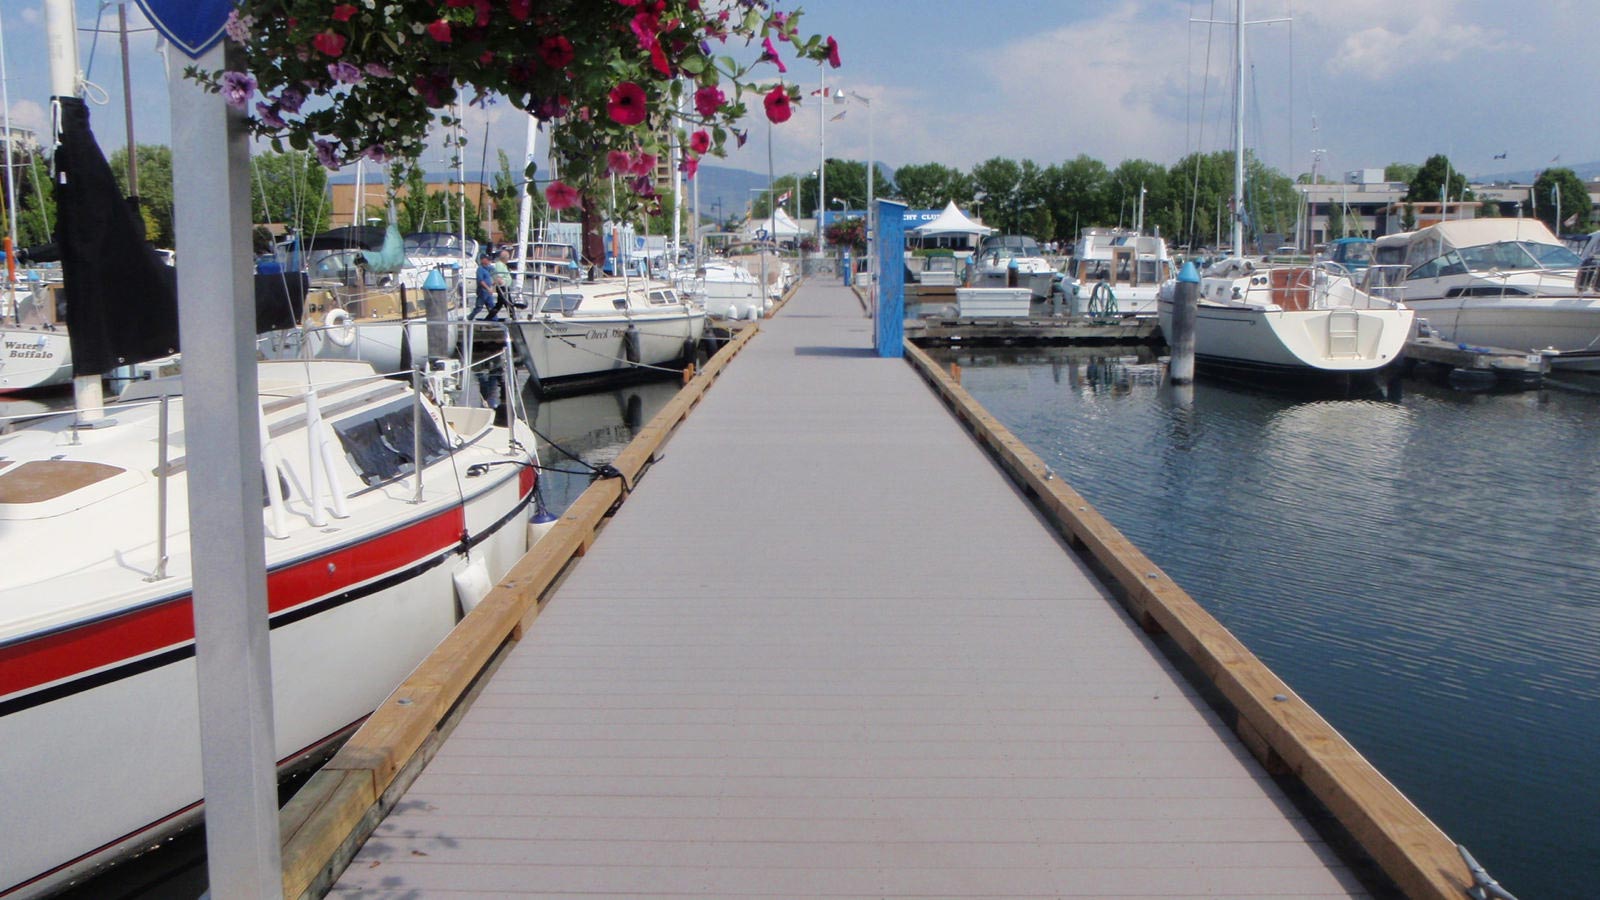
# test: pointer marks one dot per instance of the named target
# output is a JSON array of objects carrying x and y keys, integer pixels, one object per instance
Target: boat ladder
[{"x": 1344, "y": 333}]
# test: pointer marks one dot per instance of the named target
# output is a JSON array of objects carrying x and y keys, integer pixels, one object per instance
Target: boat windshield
[
  {"x": 1354, "y": 252},
  {"x": 1508, "y": 255}
]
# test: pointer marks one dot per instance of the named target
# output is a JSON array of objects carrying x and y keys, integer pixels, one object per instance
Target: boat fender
[
  {"x": 340, "y": 327},
  {"x": 630, "y": 346},
  {"x": 472, "y": 584}
]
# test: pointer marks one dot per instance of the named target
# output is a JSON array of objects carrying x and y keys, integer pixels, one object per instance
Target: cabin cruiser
[
  {"x": 1012, "y": 260},
  {"x": 1353, "y": 254},
  {"x": 727, "y": 289},
  {"x": 1118, "y": 272},
  {"x": 1300, "y": 322},
  {"x": 608, "y": 329},
  {"x": 370, "y": 561},
  {"x": 1507, "y": 283}
]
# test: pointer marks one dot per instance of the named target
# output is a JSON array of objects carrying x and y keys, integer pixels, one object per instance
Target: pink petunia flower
[
  {"x": 238, "y": 27},
  {"x": 289, "y": 100},
  {"x": 329, "y": 44},
  {"x": 626, "y": 104},
  {"x": 556, "y": 51},
  {"x": 644, "y": 164},
  {"x": 343, "y": 12},
  {"x": 561, "y": 196},
  {"x": 378, "y": 70},
  {"x": 707, "y": 100},
  {"x": 328, "y": 154},
  {"x": 688, "y": 166},
  {"x": 833, "y": 52},
  {"x": 439, "y": 30},
  {"x": 619, "y": 162},
  {"x": 769, "y": 53},
  {"x": 521, "y": 10},
  {"x": 700, "y": 142},
  {"x": 777, "y": 104}
]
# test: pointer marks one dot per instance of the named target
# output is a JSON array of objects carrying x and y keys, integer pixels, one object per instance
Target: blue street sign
[{"x": 193, "y": 26}]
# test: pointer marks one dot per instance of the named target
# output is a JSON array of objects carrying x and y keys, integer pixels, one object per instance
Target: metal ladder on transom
[{"x": 1344, "y": 333}]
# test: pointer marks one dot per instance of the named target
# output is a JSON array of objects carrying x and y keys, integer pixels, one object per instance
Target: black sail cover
[{"x": 122, "y": 300}]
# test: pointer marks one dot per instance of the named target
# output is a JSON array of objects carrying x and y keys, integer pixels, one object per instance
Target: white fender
[
  {"x": 472, "y": 583},
  {"x": 340, "y": 327}
]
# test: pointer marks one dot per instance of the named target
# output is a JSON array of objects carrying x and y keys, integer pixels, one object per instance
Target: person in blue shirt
[{"x": 486, "y": 297}]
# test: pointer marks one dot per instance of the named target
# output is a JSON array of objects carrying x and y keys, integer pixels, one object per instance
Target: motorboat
[
  {"x": 370, "y": 561},
  {"x": 939, "y": 270},
  {"x": 727, "y": 289},
  {"x": 1302, "y": 322},
  {"x": 384, "y": 326},
  {"x": 35, "y": 350},
  {"x": 586, "y": 332},
  {"x": 1012, "y": 260},
  {"x": 1353, "y": 254},
  {"x": 1507, "y": 283},
  {"x": 1116, "y": 272}
]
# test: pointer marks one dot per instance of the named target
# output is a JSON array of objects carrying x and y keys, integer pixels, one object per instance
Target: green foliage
[
  {"x": 1427, "y": 184},
  {"x": 506, "y": 188},
  {"x": 1404, "y": 173},
  {"x": 930, "y": 186},
  {"x": 1336, "y": 224},
  {"x": 419, "y": 209},
  {"x": 289, "y": 189},
  {"x": 35, "y": 203},
  {"x": 1408, "y": 217},
  {"x": 155, "y": 188},
  {"x": 1573, "y": 200}
]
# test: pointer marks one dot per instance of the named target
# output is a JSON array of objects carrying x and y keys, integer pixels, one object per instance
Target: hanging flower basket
[{"x": 368, "y": 79}]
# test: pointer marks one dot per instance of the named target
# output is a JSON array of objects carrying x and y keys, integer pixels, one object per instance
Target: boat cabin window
[
  {"x": 562, "y": 302},
  {"x": 381, "y": 443},
  {"x": 619, "y": 302},
  {"x": 1122, "y": 265},
  {"x": 1149, "y": 271},
  {"x": 1094, "y": 270},
  {"x": 1389, "y": 256},
  {"x": 1551, "y": 256},
  {"x": 662, "y": 298},
  {"x": 1440, "y": 266}
]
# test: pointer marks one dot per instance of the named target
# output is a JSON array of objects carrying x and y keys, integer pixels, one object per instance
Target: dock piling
[{"x": 1184, "y": 301}]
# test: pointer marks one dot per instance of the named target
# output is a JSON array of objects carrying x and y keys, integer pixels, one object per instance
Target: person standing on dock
[{"x": 485, "y": 298}]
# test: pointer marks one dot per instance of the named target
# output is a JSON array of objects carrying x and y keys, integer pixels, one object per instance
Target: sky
[{"x": 1367, "y": 82}]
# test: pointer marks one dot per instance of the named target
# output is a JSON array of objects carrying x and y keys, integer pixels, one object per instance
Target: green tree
[
  {"x": 1401, "y": 172},
  {"x": 506, "y": 189},
  {"x": 930, "y": 186},
  {"x": 1426, "y": 186},
  {"x": 1202, "y": 186},
  {"x": 1335, "y": 221},
  {"x": 998, "y": 182},
  {"x": 1073, "y": 192},
  {"x": 1561, "y": 189},
  {"x": 35, "y": 203},
  {"x": 1488, "y": 209},
  {"x": 289, "y": 189},
  {"x": 1270, "y": 197},
  {"x": 1121, "y": 191},
  {"x": 419, "y": 209},
  {"x": 1408, "y": 217},
  {"x": 155, "y": 188}
]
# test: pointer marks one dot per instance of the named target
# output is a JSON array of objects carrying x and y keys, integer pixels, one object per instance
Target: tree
[
  {"x": 997, "y": 181},
  {"x": 1408, "y": 217},
  {"x": 1403, "y": 173},
  {"x": 288, "y": 188},
  {"x": 155, "y": 188},
  {"x": 1073, "y": 193},
  {"x": 420, "y": 209},
  {"x": 930, "y": 186},
  {"x": 1335, "y": 222},
  {"x": 507, "y": 189},
  {"x": 35, "y": 203},
  {"x": 1202, "y": 185},
  {"x": 1561, "y": 188},
  {"x": 1425, "y": 187},
  {"x": 1121, "y": 191}
]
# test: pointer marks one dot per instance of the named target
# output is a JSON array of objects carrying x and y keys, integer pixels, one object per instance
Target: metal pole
[
  {"x": 822, "y": 170},
  {"x": 1237, "y": 235},
  {"x": 416, "y": 430},
  {"x": 160, "y": 571},
  {"x": 11, "y": 180},
  {"x": 525, "y": 208},
  {"x": 127, "y": 102},
  {"x": 233, "y": 663}
]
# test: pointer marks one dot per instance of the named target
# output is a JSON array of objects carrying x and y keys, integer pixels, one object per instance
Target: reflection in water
[
  {"x": 585, "y": 431},
  {"x": 1424, "y": 570}
]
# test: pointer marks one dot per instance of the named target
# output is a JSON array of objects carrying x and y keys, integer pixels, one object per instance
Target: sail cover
[{"x": 122, "y": 300}]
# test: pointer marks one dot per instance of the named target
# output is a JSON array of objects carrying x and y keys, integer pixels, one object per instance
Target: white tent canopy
[
  {"x": 779, "y": 226},
  {"x": 951, "y": 221}
]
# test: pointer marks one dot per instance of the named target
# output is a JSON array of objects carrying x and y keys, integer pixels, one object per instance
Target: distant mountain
[
  {"x": 731, "y": 188},
  {"x": 1586, "y": 171}
]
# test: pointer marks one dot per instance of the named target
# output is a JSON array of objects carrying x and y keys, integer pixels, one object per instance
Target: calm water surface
[{"x": 1424, "y": 571}]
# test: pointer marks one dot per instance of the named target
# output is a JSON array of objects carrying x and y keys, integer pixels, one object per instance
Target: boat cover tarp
[
  {"x": 280, "y": 299},
  {"x": 122, "y": 299},
  {"x": 349, "y": 237},
  {"x": 951, "y": 221}
]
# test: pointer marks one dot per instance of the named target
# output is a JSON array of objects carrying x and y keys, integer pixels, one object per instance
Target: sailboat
[
  {"x": 387, "y": 515},
  {"x": 1283, "y": 322}
]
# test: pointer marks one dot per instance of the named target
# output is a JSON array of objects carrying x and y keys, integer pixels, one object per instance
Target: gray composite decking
[{"x": 827, "y": 649}]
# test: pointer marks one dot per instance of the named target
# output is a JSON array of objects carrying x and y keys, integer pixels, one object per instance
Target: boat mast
[
  {"x": 525, "y": 205},
  {"x": 1238, "y": 129},
  {"x": 11, "y": 183}
]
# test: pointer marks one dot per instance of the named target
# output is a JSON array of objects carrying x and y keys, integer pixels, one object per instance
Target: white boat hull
[
  {"x": 1332, "y": 341},
  {"x": 1568, "y": 324},
  {"x": 34, "y": 357},
  {"x": 582, "y": 346},
  {"x": 390, "y": 345},
  {"x": 98, "y": 709}
]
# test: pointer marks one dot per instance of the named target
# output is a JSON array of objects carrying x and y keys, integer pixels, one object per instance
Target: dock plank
[{"x": 864, "y": 666}]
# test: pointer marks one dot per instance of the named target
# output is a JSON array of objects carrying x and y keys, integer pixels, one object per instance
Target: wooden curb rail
[
  {"x": 1280, "y": 728},
  {"x": 328, "y": 819}
]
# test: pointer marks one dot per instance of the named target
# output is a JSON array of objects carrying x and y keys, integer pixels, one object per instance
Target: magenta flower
[
  {"x": 707, "y": 100},
  {"x": 777, "y": 104},
  {"x": 644, "y": 164},
  {"x": 343, "y": 12},
  {"x": 521, "y": 10},
  {"x": 619, "y": 162},
  {"x": 700, "y": 142},
  {"x": 238, "y": 88},
  {"x": 329, "y": 44},
  {"x": 561, "y": 196},
  {"x": 439, "y": 30},
  {"x": 833, "y": 52},
  {"x": 556, "y": 51},
  {"x": 688, "y": 166},
  {"x": 344, "y": 73},
  {"x": 769, "y": 53},
  {"x": 627, "y": 104}
]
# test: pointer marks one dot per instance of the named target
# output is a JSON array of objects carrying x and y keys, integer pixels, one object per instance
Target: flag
[{"x": 784, "y": 196}]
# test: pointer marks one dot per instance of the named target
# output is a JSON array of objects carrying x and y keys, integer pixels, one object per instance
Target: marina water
[{"x": 1423, "y": 570}]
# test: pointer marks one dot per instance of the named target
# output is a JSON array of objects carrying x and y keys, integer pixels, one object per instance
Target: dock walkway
[{"x": 828, "y": 649}]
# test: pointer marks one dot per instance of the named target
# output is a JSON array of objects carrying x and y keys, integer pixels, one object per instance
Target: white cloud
[{"x": 30, "y": 115}]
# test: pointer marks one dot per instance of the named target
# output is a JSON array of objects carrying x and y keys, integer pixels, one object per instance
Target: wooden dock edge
[
  {"x": 333, "y": 813},
  {"x": 1280, "y": 728}
]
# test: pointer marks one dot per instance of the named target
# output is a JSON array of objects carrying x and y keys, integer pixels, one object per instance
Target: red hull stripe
[{"x": 106, "y": 642}]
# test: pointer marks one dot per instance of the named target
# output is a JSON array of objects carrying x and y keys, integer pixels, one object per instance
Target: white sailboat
[{"x": 1297, "y": 322}]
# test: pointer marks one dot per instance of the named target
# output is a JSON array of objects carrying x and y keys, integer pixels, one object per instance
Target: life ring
[{"x": 340, "y": 327}]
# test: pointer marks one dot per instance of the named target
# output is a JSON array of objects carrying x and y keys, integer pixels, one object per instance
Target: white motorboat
[
  {"x": 384, "y": 327},
  {"x": 368, "y": 565},
  {"x": 612, "y": 328},
  {"x": 1012, "y": 260},
  {"x": 35, "y": 351},
  {"x": 1497, "y": 283},
  {"x": 727, "y": 290},
  {"x": 1118, "y": 272},
  {"x": 1302, "y": 322}
]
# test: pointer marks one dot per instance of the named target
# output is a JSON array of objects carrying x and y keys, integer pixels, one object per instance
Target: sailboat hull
[
  {"x": 1302, "y": 343},
  {"x": 34, "y": 357}
]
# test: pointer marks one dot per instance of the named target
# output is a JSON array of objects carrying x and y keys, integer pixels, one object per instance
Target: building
[
  {"x": 1364, "y": 204},
  {"x": 342, "y": 203}
]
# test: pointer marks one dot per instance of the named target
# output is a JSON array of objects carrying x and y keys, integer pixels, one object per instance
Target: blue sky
[{"x": 1367, "y": 81}]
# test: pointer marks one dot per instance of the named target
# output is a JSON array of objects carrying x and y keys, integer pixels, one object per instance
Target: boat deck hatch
[{"x": 39, "y": 480}]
